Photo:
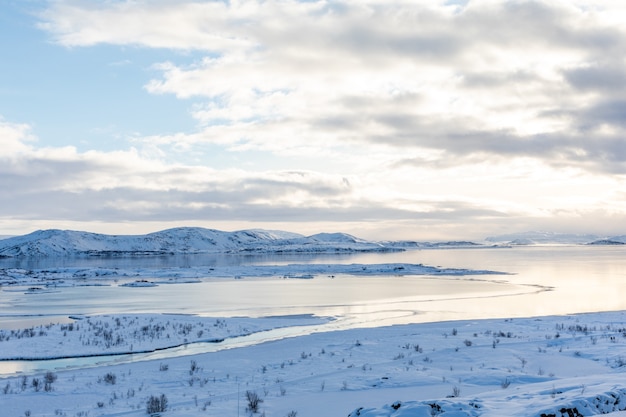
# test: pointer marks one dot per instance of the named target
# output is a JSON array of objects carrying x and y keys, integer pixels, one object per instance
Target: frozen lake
[
  {"x": 579, "y": 278},
  {"x": 582, "y": 278}
]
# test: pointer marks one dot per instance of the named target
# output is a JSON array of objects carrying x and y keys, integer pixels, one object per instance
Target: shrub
[
  {"x": 36, "y": 384},
  {"x": 193, "y": 368},
  {"x": 156, "y": 404},
  {"x": 49, "y": 378},
  {"x": 254, "y": 401},
  {"x": 110, "y": 378}
]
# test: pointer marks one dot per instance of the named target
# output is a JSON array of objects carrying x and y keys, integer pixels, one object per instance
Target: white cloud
[
  {"x": 125, "y": 192},
  {"x": 401, "y": 111},
  {"x": 156, "y": 24},
  {"x": 14, "y": 138},
  {"x": 292, "y": 77}
]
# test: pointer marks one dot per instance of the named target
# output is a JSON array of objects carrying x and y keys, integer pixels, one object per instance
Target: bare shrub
[
  {"x": 156, "y": 405},
  {"x": 110, "y": 378},
  {"x": 254, "y": 401},
  {"x": 48, "y": 379},
  {"x": 193, "y": 367},
  {"x": 36, "y": 383}
]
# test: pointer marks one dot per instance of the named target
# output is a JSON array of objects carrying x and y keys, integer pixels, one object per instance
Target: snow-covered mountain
[
  {"x": 187, "y": 240},
  {"x": 412, "y": 244},
  {"x": 614, "y": 240},
  {"x": 552, "y": 238}
]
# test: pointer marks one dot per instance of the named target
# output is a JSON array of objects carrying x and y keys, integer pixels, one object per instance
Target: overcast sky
[{"x": 417, "y": 119}]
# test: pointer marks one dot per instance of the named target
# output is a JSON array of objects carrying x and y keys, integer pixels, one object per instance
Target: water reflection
[
  {"x": 169, "y": 261},
  {"x": 253, "y": 297}
]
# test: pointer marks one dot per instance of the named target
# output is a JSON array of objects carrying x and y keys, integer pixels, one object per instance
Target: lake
[
  {"x": 583, "y": 279},
  {"x": 543, "y": 280}
]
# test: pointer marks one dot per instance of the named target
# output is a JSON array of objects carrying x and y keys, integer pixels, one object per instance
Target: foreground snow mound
[
  {"x": 186, "y": 240},
  {"x": 421, "y": 409},
  {"x": 579, "y": 406},
  {"x": 603, "y": 403}
]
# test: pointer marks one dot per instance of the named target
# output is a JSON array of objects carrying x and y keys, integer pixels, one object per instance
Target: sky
[{"x": 420, "y": 119}]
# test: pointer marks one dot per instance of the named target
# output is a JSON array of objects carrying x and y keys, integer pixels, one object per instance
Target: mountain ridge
[
  {"x": 181, "y": 240},
  {"x": 555, "y": 238},
  {"x": 198, "y": 240}
]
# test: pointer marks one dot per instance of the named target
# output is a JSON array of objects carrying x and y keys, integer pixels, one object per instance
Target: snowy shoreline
[{"x": 118, "y": 334}]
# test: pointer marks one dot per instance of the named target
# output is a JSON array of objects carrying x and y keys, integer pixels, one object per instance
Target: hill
[
  {"x": 543, "y": 238},
  {"x": 183, "y": 240}
]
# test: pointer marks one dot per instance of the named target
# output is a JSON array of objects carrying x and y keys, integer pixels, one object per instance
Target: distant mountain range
[
  {"x": 184, "y": 240},
  {"x": 552, "y": 238},
  {"x": 196, "y": 240}
]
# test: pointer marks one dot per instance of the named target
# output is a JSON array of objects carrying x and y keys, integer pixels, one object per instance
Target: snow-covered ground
[
  {"x": 547, "y": 366},
  {"x": 121, "y": 334}
]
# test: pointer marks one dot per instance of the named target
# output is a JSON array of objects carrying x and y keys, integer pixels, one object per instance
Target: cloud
[
  {"x": 156, "y": 24},
  {"x": 63, "y": 185},
  {"x": 51, "y": 186},
  {"x": 483, "y": 77},
  {"x": 438, "y": 112},
  {"x": 605, "y": 77},
  {"x": 83, "y": 185},
  {"x": 14, "y": 138}
]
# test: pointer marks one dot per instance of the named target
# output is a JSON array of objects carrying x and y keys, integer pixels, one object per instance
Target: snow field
[
  {"x": 523, "y": 367},
  {"x": 121, "y": 334}
]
